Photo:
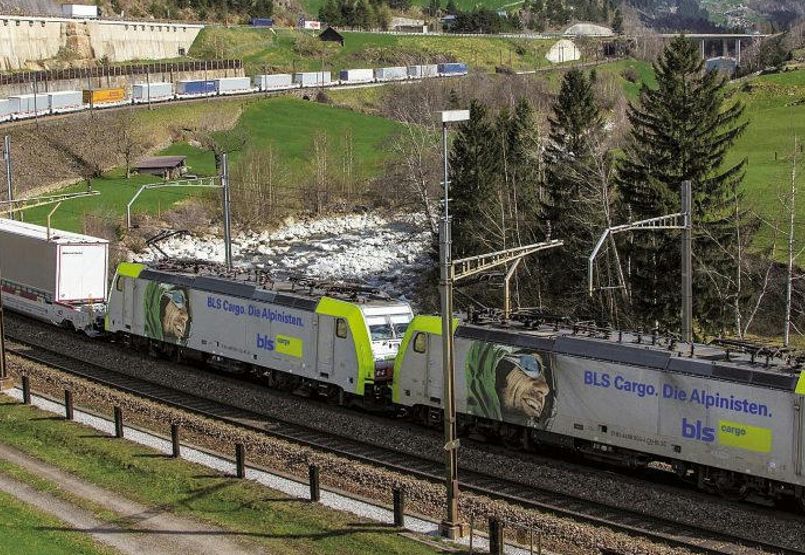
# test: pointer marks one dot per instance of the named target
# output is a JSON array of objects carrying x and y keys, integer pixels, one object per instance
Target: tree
[
  {"x": 617, "y": 22},
  {"x": 682, "y": 130},
  {"x": 451, "y": 7},
  {"x": 434, "y": 7},
  {"x": 575, "y": 126},
  {"x": 261, "y": 8},
  {"x": 401, "y": 5},
  {"x": 362, "y": 15},
  {"x": 330, "y": 13},
  {"x": 129, "y": 138},
  {"x": 473, "y": 162}
]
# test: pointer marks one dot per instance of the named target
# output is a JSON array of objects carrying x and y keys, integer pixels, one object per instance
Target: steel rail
[{"x": 577, "y": 508}]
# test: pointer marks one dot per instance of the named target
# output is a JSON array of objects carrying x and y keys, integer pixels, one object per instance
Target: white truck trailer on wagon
[{"x": 61, "y": 279}]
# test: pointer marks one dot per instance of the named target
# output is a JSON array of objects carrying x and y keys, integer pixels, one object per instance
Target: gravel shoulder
[
  {"x": 588, "y": 482},
  {"x": 152, "y": 530}
]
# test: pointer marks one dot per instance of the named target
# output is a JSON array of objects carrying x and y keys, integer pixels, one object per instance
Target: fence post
[
  {"x": 315, "y": 488},
  {"x": 118, "y": 423},
  {"x": 472, "y": 529},
  {"x": 240, "y": 460},
  {"x": 175, "y": 440},
  {"x": 26, "y": 389},
  {"x": 495, "y": 537},
  {"x": 68, "y": 404},
  {"x": 399, "y": 507}
]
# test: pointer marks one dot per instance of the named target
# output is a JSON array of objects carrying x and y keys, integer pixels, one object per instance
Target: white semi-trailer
[{"x": 60, "y": 279}]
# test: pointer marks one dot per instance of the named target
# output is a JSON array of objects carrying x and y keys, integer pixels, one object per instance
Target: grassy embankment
[
  {"x": 25, "y": 529},
  {"x": 284, "y": 525},
  {"x": 775, "y": 108},
  {"x": 263, "y": 50},
  {"x": 287, "y": 124}
]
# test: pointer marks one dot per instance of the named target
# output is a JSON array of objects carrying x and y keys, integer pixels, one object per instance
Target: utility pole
[
  {"x": 36, "y": 100},
  {"x": 790, "y": 278},
  {"x": 6, "y": 382},
  {"x": 7, "y": 157},
  {"x": 450, "y": 526},
  {"x": 687, "y": 263},
  {"x": 148, "y": 84},
  {"x": 227, "y": 218},
  {"x": 680, "y": 220}
]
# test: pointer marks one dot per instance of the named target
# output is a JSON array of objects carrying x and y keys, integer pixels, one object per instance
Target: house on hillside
[
  {"x": 331, "y": 35},
  {"x": 166, "y": 167},
  {"x": 408, "y": 25}
]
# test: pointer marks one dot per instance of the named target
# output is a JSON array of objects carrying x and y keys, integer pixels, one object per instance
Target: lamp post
[{"x": 450, "y": 526}]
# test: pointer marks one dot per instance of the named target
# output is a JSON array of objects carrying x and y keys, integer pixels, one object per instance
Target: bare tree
[{"x": 129, "y": 138}]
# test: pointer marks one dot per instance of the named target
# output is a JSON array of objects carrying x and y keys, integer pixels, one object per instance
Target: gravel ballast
[{"x": 594, "y": 484}]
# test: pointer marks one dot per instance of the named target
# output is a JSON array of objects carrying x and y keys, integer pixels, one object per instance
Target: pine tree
[
  {"x": 617, "y": 22},
  {"x": 451, "y": 7},
  {"x": 574, "y": 130},
  {"x": 681, "y": 131},
  {"x": 434, "y": 7},
  {"x": 473, "y": 163},
  {"x": 362, "y": 15}
]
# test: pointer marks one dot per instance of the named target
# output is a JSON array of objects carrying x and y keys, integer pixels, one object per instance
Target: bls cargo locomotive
[
  {"x": 727, "y": 418},
  {"x": 331, "y": 339}
]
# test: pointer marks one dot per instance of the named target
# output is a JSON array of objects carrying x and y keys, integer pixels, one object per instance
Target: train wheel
[
  {"x": 335, "y": 396},
  {"x": 731, "y": 487}
]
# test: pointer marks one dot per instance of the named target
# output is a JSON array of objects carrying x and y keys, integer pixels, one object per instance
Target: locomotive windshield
[{"x": 387, "y": 325}]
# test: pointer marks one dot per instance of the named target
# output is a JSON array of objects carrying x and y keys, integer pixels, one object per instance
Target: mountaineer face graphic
[
  {"x": 167, "y": 312},
  {"x": 509, "y": 384}
]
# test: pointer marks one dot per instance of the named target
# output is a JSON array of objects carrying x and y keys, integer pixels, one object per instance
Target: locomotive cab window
[
  {"x": 119, "y": 283},
  {"x": 420, "y": 343},
  {"x": 341, "y": 328}
]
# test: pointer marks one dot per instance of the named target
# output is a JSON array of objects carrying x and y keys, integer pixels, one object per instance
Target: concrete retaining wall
[{"x": 31, "y": 39}]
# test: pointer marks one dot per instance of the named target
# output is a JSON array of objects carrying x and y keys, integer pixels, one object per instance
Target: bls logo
[
  {"x": 264, "y": 342},
  {"x": 698, "y": 431}
]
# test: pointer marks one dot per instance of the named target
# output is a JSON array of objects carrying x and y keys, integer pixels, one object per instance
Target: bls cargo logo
[
  {"x": 731, "y": 434},
  {"x": 283, "y": 344}
]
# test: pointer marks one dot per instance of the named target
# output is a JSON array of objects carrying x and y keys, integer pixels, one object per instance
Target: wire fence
[{"x": 117, "y": 71}]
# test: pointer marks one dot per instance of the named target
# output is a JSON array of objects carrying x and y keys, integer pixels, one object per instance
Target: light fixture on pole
[{"x": 450, "y": 526}]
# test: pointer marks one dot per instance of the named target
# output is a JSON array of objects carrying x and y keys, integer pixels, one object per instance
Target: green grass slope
[
  {"x": 264, "y": 50},
  {"x": 27, "y": 530},
  {"x": 278, "y": 523},
  {"x": 289, "y": 125},
  {"x": 775, "y": 108}
]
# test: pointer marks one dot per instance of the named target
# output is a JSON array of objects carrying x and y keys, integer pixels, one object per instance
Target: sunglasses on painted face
[{"x": 177, "y": 298}]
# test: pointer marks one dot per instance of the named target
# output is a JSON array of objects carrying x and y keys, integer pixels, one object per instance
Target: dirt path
[{"x": 153, "y": 530}]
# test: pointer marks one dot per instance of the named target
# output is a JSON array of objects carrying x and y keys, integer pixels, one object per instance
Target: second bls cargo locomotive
[
  {"x": 335, "y": 341},
  {"x": 727, "y": 422}
]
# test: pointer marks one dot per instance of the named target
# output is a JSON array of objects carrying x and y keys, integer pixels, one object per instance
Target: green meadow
[{"x": 288, "y": 125}]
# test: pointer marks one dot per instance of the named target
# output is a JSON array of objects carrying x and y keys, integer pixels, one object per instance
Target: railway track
[
  {"x": 308, "y": 91},
  {"x": 668, "y": 531}
]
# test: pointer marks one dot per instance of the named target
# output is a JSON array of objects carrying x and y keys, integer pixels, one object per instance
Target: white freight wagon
[
  {"x": 151, "y": 92},
  {"x": 422, "y": 71},
  {"x": 23, "y": 105},
  {"x": 312, "y": 79},
  {"x": 5, "y": 109},
  {"x": 357, "y": 75},
  {"x": 61, "y": 279},
  {"x": 232, "y": 85},
  {"x": 65, "y": 101},
  {"x": 80, "y": 11},
  {"x": 391, "y": 73},
  {"x": 269, "y": 82}
]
